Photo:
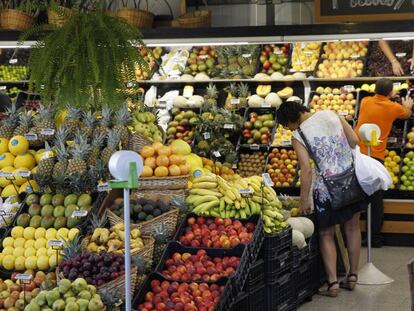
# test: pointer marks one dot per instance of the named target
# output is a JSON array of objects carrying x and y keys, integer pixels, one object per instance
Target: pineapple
[
  {"x": 112, "y": 144},
  {"x": 43, "y": 120},
  {"x": 122, "y": 119},
  {"x": 77, "y": 164},
  {"x": 243, "y": 94},
  {"x": 25, "y": 124},
  {"x": 232, "y": 93},
  {"x": 143, "y": 268},
  {"x": 105, "y": 122},
  {"x": 210, "y": 99},
  {"x": 72, "y": 121},
  {"x": 60, "y": 182},
  {"x": 62, "y": 158},
  {"x": 71, "y": 249},
  {"x": 46, "y": 166},
  {"x": 97, "y": 144},
  {"x": 98, "y": 222},
  {"x": 161, "y": 238},
  {"x": 10, "y": 123},
  {"x": 89, "y": 122}
]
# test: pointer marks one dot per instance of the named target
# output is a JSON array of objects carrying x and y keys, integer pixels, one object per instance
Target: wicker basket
[
  {"x": 119, "y": 284},
  {"x": 58, "y": 19},
  {"x": 16, "y": 20},
  {"x": 157, "y": 183},
  {"x": 137, "y": 141},
  {"x": 196, "y": 19},
  {"x": 165, "y": 195},
  {"x": 136, "y": 17}
]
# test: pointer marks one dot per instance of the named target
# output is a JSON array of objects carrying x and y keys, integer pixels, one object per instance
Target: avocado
[
  {"x": 23, "y": 220},
  {"x": 149, "y": 217},
  {"x": 142, "y": 216},
  {"x": 148, "y": 208},
  {"x": 46, "y": 199},
  {"x": 59, "y": 211},
  {"x": 73, "y": 222},
  {"x": 35, "y": 222},
  {"x": 70, "y": 209},
  {"x": 58, "y": 199},
  {"x": 137, "y": 209},
  {"x": 34, "y": 209},
  {"x": 163, "y": 206},
  {"x": 142, "y": 201},
  {"x": 84, "y": 200},
  {"x": 60, "y": 222},
  {"x": 47, "y": 210},
  {"x": 156, "y": 212},
  {"x": 47, "y": 222},
  {"x": 32, "y": 199},
  {"x": 70, "y": 199}
]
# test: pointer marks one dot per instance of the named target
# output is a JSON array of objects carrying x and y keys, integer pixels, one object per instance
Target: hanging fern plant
[{"x": 86, "y": 62}]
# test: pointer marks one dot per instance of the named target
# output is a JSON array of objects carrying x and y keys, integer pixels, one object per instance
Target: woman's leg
[
  {"x": 353, "y": 240},
  {"x": 328, "y": 250}
]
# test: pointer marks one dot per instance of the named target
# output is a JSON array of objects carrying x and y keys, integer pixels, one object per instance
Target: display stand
[{"x": 369, "y": 274}]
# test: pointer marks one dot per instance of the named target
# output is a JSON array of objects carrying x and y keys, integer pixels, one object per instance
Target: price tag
[
  {"x": 349, "y": 88},
  {"x": 234, "y": 101},
  {"x": 254, "y": 147},
  {"x": 103, "y": 187},
  {"x": 396, "y": 84},
  {"x": 268, "y": 182},
  {"x": 308, "y": 53},
  {"x": 47, "y": 132},
  {"x": 293, "y": 70},
  {"x": 246, "y": 193},
  {"x": 392, "y": 140},
  {"x": 354, "y": 56},
  {"x": 55, "y": 243},
  {"x": 203, "y": 56},
  {"x": 217, "y": 154},
  {"x": 343, "y": 113},
  {"x": 266, "y": 105},
  {"x": 278, "y": 52},
  {"x": 79, "y": 214},
  {"x": 24, "y": 277},
  {"x": 13, "y": 61},
  {"x": 228, "y": 126},
  {"x": 3, "y": 87},
  {"x": 23, "y": 174},
  {"x": 247, "y": 55},
  {"x": 31, "y": 136},
  {"x": 234, "y": 166},
  {"x": 6, "y": 175},
  {"x": 206, "y": 135},
  {"x": 399, "y": 55}
]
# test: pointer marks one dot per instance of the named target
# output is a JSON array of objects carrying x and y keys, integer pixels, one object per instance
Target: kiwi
[{"x": 142, "y": 201}]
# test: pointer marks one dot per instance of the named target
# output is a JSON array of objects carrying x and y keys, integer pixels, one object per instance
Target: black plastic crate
[
  {"x": 280, "y": 296},
  {"x": 241, "y": 303},
  {"x": 255, "y": 277},
  {"x": 257, "y": 298},
  {"x": 300, "y": 256},
  {"x": 302, "y": 281},
  {"x": 277, "y": 241},
  {"x": 225, "y": 303},
  {"x": 278, "y": 268}
]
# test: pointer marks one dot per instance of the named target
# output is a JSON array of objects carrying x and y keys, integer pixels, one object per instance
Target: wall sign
[{"x": 363, "y": 10}]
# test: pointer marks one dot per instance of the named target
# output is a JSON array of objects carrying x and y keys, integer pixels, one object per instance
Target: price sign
[
  {"x": 23, "y": 174},
  {"x": 31, "y": 136},
  {"x": 228, "y": 126},
  {"x": 206, "y": 135},
  {"x": 343, "y": 113},
  {"x": 217, "y": 154},
  {"x": 79, "y": 214},
  {"x": 3, "y": 87},
  {"x": 268, "y": 182},
  {"x": 234, "y": 166},
  {"x": 203, "y": 56},
  {"x": 247, "y": 55},
  {"x": 254, "y": 147},
  {"x": 234, "y": 101},
  {"x": 13, "y": 61},
  {"x": 103, "y": 187},
  {"x": 6, "y": 175},
  {"x": 265, "y": 105},
  {"x": 286, "y": 143},
  {"x": 246, "y": 193},
  {"x": 24, "y": 277},
  {"x": 278, "y": 52},
  {"x": 399, "y": 55},
  {"x": 396, "y": 84},
  {"x": 55, "y": 244},
  {"x": 392, "y": 140},
  {"x": 47, "y": 132},
  {"x": 349, "y": 88},
  {"x": 354, "y": 56}
]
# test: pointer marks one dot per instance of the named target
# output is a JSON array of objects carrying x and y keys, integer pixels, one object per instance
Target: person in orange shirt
[{"x": 380, "y": 110}]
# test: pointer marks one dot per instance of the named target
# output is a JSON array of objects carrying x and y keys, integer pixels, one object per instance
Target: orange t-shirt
[{"x": 379, "y": 110}]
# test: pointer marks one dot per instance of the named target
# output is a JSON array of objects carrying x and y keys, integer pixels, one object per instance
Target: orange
[
  {"x": 147, "y": 171},
  {"x": 174, "y": 170},
  {"x": 164, "y": 151},
  {"x": 151, "y": 162},
  {"x": 184, "y": 168},
  {"x": 147, "y": 151},
  {"x": 176, "y": 159},
  {"x": 161, "y": 171},
  {"x": 162, "y": 160},
  {"x": 157, "y": 146}
]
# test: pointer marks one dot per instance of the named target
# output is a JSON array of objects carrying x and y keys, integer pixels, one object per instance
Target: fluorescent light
[
  {"x": 351, "y": 40},
  {"x": 398, "y": 38},
  {"x": 195, "y": 44}
]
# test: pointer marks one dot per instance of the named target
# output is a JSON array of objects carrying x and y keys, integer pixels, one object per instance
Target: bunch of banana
[{"x": 112, "y": 240}]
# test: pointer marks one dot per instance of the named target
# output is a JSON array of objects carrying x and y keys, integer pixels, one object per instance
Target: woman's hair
[
  {"x": 289, "y": 112},
  {"x": 384, "y": 87}
]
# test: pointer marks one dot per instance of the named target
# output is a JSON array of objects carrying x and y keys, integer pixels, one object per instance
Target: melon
[
  {"x": 299, "y": 75},
  {"x": 274, "y": 100},
  {"x": 261, "y": 77},
  {"x": 276, "y": 76},
  {"x": 195, "y": 101},
  {"x": 201, "y": 77},
  {"x": 186, "y": 77},
  {"x": 256, "y": 101},
  {"x": 194, "y": 161},
  {"x": 298, "y": 239},
  {"x": 180, "y": 147},
  {"x": 285, "y": 93},
  {"x": 308, "y": 227},
  {"x": 294, "y": 99},
  {"x": 180, "y": 102},
  {"x": 295, "y": 223}
]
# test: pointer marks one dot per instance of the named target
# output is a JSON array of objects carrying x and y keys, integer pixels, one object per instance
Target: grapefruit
[
  {"x": 18, "y": 145},
  {"x": 147, "y": 151},
  {"x": 24, "y": 160},
  {"x": 179, "y": 146},
  {"x": 6, "y": 159},
  {"x": 4, "y": 145},
  {"x": 147, "y": 171},
  {"x": 162, "y": 160},
  {"x": 161, "y": 171}
]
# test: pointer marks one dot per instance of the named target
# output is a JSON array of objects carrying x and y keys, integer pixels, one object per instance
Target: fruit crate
[
  {"x": 241, "y": 303},
  {"x": 257, "y": 298},
  {"x": 397, "y": 135},
  {"x": 224, "y": 304},
  {"x": 300, "y": 256},
  {"x": 255, "y": 277},
  {"x": 277, "y": 241},
  {"x": 301, "y": 46},
  {"x": 280, "y": 295},
  {"x": 291, "y": 189},
  {"x": 246, "y": 152},
  {"x": 302, "y": 280},
  {"x": 267, "y": 52},
  {"x": 280, "y": 266},
  {"x": 11, "y": 223}
]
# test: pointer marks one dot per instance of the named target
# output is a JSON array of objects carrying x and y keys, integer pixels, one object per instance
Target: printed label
[
  {"x": 24, "y": 174},
  {"x": 268, "y": 182},
  {"x": 392, "y": 140},
  {"x": 217, "y": 154},
  {"x": 47, "y": 132},
  {"x": 206, "y": 135},
  {"x": 55, "y": 243},
  {"x": 349, "y": 88},
  {"x": 266, "y": 105},
  {"x": 234, "y": 101},
  {"x": 103, "y": 187},
  {"x": 31, "y": 136},
  {"x": 79, "y": 214},
  {"x": 13, "y": 61},
  {"x": 399, "y": 55},
  {"x": 228, "y": 126},
  {"x": 24, "y": 276},
  {"x": 254, "y": 147}
]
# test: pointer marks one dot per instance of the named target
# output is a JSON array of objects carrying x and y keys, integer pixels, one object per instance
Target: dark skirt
[{"x": 327, "y": 217}]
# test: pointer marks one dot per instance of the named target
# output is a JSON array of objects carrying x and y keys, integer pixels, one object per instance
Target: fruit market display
[
  {"x": 407, "y": 176},
  {"x": 76, "y": 295},
  {"x": 181, "y": 296},
  {"x": 305, "y": 56},
  {"x": 302, "y": 229},
  {"x": 344, "y": 50},
  {"x": 251, "y": 164},
  {"x": 392, "y": 164},
  {"x": 264, "y": 97},
  {"x": 199, "y": 267},
  {"x": 222, "y": 169},
  {"x": 144, "y": 123},
  {"x": 13, "y": 72},
  {"x": 347, "y": 68},
  {"x": 258, "y": 128},
  {"x": 283, "y": 137},
  {"x": 201, "y": 60},
  {"x": 9, "y": 207},
  {"x": 216, "y": 232},
  {"x": 274, "y": 58},
  {"x": 183, "y": 125},
  {"x": 335, "y": 99},
  {"x": 237, "y": 96},
  {"x": 281, "y": 166},
  {"x": 173, "y": 63},
  {"x": 237, "y": 62},
  {"x": 151, "y": 56}
]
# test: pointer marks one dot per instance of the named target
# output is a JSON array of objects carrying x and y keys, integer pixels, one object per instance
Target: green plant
[{"x": 86, "y": 62}]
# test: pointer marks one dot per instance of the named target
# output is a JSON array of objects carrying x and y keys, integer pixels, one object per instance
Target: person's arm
[
  {"x": 396, "y": 66},
  {"x": 349, "y": 133},
  {"x": 412, "y": 59},
  {"x": 407, "y": 105},
  {"x": 305, "y": 176}
]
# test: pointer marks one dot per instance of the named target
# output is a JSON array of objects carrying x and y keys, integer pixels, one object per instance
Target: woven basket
[
  {"x": 58, "y": 19},
  {"x": 137, "y": 17},
  {"x": 16, "y": 20},
  {"x": 196, "y": 19},
  {"x": 110, "y": 13},
  {"x": 137, "y": 141},
  {"x": 119, "y": 284},
  {"x": 165, "y": 195},
  {"x": 157, "y": 183}
]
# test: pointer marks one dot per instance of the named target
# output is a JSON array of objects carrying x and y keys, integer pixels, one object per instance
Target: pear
[
  {"x": 85, "y": 295},
  {"x": 95, "y": 305},
  {"x": 72, "y": 306},
  {"x": 79, "y": 285},
  {"x": 59, "y": 305},
  {"x": 32, "y": 306},
  {"x": 41, "y": 298},
  {"x": 69, "y": 294},
  {"x": 70, "y": 299},
  {"x": 92, "y": 289},
  {"x": 52, "y": 296},
  {"x": 64, "y": 286},
  {"x": 83, "y": 304}
]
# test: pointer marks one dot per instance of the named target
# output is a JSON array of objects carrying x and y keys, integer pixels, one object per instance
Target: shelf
[{"x": 14, "y": 82}]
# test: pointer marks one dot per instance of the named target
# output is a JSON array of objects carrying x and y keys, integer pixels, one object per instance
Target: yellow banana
[
  {"x": 256, "y": 188},
  {"x": 231, "y": 195},
  {"x": 205, "y": 178},
  {"x": 222, "y": 204},
  {"x": 204, "y": 199},
  {"x": 243, "y": 183},
  {"x": 204, "y": 207},
  {"x": 228, "y": 200},
  {"x": 243, "y": 203},
  {"x": 205, "y": 192},
  {"x": 191, "y": 198},
  {"x": 205, "y": 185},
  {"x": 237, "y": 204}
]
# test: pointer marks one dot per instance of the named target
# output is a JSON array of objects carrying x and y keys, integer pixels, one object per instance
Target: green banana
[{"x": 204, "y": 199}]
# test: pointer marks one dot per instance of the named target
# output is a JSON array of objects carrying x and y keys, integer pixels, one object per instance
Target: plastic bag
[{"x": 371, "y": 174}]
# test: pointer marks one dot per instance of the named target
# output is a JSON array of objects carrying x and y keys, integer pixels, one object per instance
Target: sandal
[
  {"x": 329, "y": 291},
  {"x": 349, "y": 284}
]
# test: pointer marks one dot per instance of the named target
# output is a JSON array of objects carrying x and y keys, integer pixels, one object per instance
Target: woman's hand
[
  {"x": 396, "y": 68},
  {"x": 305, "y": 207}
]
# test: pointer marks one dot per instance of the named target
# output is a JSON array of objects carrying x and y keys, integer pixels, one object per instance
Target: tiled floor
[{"x": 393, "y": 297}]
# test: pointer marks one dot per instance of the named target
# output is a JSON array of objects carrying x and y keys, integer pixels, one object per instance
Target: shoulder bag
[{"x": 344, "y": 188}]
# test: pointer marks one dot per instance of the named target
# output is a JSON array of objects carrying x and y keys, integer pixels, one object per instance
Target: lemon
[
  {"x": 29, "y": 243},
  {"x": 38, "y": 155},
  {"x": 17, "y": 232},
  {"x": 30, "y": 251},
  {"x": 72, "y": 233},
  {"x": 19, "y": 242},
  {"x": 31, "y": 262},
  {"x": 43, "y": 262},
  {"x": 40, "y": 233},
  {"x": 9, "y": 191},
  {"x": 19, "y": 263},
  {"x": 18, "y": 251},
  {"x": 6, "y": 159},
  {"x": 18, "y": 179},
  {"x": 41, "y": 252},
  {"x": 32, "y": 152},
  {"x": 24, "y": 160},
  {"x": 8, "y": 250},
  {"x": 1, "y": 258},
  {"x": 3, "y": 180},
  {"x": 29, "y": 233},
  {"x": 52, "y": 261},
  {"x": 62, "y": 233},
  {"x": 4, "y": 145},
  {"x": 39, "y": 243},
  {"x": 51, "y": 234},
  {"x": 8, "y": 262},
  {"x": 392, "y": 154},
  {"x": 18, "y": 145},
  {"x": 34, "y": 170},
  {"x": 29, "y": 187},
  {"x": 9, "y": 241},
  {"x": 51, "y": 252}
]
